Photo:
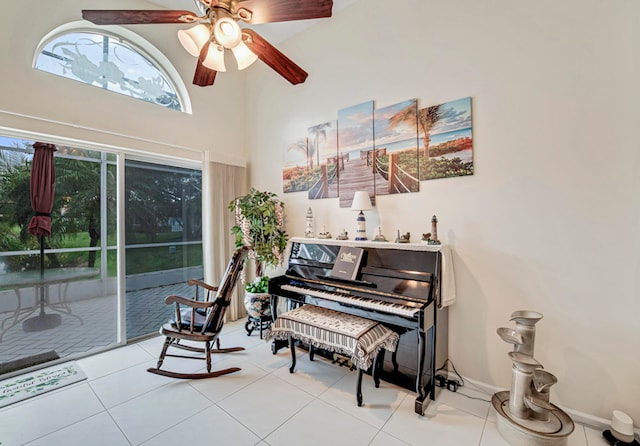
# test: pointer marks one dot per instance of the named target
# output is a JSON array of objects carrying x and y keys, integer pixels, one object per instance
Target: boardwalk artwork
[
  {"x": 386, "y": 151},
  {"x": 395, "y": 156},
  {"x": 447, "y": 142},
  {"x": 355, "y": 140}
]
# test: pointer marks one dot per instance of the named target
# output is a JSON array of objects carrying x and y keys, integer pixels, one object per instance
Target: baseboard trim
[{"x": 586, "y": 419}]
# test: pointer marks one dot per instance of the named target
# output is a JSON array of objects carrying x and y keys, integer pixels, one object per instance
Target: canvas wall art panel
[
  {"x": 322, "y": 143},
  {"x": 447, "y": 142},
  {"x": 295, "y": 171},
  {"x": 355, "y": 147},
  {"x": 395, "y": 158}
]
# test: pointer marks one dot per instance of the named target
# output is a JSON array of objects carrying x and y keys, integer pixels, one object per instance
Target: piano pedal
[{"x": 343, "y": 361}]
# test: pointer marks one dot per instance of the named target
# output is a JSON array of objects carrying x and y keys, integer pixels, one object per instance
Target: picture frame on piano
[{"x": 347, "y": 263}]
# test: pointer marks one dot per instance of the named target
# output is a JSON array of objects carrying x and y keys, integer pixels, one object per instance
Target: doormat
[
  {"x": 29, "y": 361},
  {"x": 38, "y": 382}
]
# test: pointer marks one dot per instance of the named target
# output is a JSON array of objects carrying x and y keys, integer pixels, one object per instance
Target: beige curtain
[{"x": 221, "y": 184}]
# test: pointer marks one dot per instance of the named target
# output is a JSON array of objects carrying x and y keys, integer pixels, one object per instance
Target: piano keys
[
  {"x": 390, "y": 307},
  {"x": 397, "y": 285}
]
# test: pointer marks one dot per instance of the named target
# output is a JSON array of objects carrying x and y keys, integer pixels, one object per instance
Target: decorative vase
[{"x": 258, "y": 305}]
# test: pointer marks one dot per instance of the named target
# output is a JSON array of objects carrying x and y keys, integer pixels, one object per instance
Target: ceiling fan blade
[
  {"x": 267, "y": 11},
  {"x": 135, "y": 17},
  {"x": 204, "y": 76},
  {"x": 272, "y": 57}
]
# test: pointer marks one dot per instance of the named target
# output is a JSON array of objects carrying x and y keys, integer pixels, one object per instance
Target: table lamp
[{"x": 361, "y": 202}]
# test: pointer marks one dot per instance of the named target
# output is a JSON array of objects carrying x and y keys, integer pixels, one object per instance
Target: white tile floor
[{"x": 121, "y": 404}]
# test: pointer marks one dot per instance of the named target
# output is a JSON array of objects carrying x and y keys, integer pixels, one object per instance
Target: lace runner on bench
[{"x": 357, "y": 337}]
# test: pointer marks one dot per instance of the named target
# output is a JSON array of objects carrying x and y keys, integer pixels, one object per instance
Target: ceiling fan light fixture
[
  {"x": 244, "y": 56},
  {"x": 227, "y": 32},
  {"x": 193, "y": 39},
  {"x": 215, "y": 58}
]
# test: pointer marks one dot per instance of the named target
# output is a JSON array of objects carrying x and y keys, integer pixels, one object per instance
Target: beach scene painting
[
  {"x": 395, "y": 154},
  {"x": 355, "y": 146},
  {"x": 295, "y": 172},
  {"x": 445, "y": 132},
  {"x": 323, "y": 160}
]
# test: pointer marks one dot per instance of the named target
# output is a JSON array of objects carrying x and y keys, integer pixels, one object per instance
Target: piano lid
[
  {"x": 368, "y": 244},
  {"x": 406, "y": 260},
  {"x": 405, "y": 272}
]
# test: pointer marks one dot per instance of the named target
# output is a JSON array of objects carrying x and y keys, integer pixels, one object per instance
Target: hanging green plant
[{"x": 260, "y": 226}]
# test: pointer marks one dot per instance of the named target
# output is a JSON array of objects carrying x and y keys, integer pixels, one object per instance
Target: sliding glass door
[
  {"x": 163, "y": 236},
  {"x": 57, "y": 291},
  {"x": 89, "y": 290}
]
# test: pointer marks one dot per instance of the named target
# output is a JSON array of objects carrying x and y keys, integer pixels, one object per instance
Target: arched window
[{"x": 114, "y": 62}]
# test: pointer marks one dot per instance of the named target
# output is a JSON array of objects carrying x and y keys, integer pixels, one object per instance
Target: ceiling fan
[{"x": 217, "y": 29}]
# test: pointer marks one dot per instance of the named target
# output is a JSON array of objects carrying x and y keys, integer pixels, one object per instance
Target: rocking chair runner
[{"x": 201, "y": 321}]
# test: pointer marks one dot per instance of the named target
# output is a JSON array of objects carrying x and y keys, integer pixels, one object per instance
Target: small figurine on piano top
[
  {"x": 308, "y": 232},
  {"x": 380, "y": 237},
  {"x": 404, "y": 238},
  {"x": 431, "y": 238},
  {"x": 324, "y": 234},
  {"x": 344, "y": 235}
]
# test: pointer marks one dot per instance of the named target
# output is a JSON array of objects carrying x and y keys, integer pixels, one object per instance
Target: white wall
[
  {"x": 550, "y": 219},
  {"x": 39, "y": 102}
]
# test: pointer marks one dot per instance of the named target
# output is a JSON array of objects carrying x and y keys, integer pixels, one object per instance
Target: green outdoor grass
[{"x": 138, "y": 260}]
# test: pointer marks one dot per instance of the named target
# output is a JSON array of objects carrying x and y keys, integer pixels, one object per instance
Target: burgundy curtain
[{"x": 43, "y": 184}]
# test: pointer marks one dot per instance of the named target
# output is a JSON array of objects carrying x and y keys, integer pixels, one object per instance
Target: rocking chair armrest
[
  {"x": 202, "y": 284},
  {"x": 188, "y": 302}
]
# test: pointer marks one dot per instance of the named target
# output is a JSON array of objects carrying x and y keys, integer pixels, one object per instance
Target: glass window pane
[
  {"x": 111, "y": 63},
  {"x": 163, "y": 236},
  {"x": 54, "y": 288}
]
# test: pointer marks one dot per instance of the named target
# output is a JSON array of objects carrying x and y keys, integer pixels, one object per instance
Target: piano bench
[{"x": 361, "y": 339}]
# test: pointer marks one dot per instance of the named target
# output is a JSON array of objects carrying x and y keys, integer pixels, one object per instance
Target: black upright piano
[{"x": 398, "y": 285}]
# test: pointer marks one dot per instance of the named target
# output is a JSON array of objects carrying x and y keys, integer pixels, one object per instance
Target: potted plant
[{"x": 259, "y": 225}]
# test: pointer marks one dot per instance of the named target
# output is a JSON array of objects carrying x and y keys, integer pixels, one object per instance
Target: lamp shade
[
  {"x": 244, "y": 56},
  {"x": 193, "y": 39},
  {"x": 361, "y": 201},
  {"x": 215, "y": 58},
  {"x": 227, "y": 32}
]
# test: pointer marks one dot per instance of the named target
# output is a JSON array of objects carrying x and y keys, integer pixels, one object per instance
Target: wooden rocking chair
[{"x": 201, "y": 321}]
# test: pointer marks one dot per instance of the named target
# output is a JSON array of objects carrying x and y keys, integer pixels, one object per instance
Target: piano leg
[
  {"x": 420, "y": 405},
  {"x": 394, "y": 361}
]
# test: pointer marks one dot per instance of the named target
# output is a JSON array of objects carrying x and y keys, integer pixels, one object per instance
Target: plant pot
[{"x": 257, "y": 305}]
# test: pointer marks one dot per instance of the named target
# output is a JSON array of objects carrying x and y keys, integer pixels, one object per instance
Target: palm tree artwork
[
  {"x": 323, "y": 160},
  {"x": 425, "y": 119},
  {"x": 396, "y": 148},
  {"x": 295, "y": 171},
  {"x": 445, "y": 130}
]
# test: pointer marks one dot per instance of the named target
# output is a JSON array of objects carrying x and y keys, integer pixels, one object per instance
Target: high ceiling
[{"x": 273, "y": 32}]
